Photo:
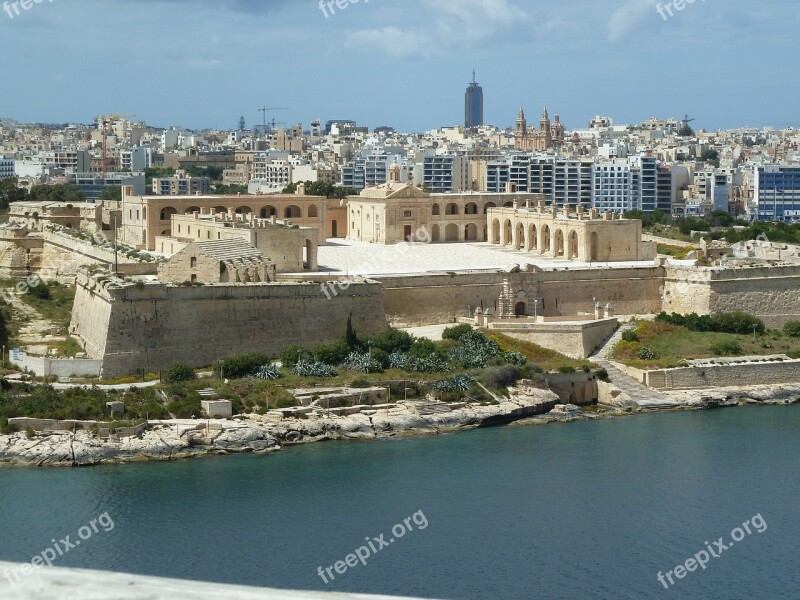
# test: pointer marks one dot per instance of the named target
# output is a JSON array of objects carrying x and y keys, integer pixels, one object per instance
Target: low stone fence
[
  {"x": 23, "y": 423},
  {"x": 60, "y": 367},
  {"x": 724, "y": 375}
]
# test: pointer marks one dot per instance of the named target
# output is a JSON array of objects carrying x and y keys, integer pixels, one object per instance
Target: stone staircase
[{"x": 643, "y": 396}]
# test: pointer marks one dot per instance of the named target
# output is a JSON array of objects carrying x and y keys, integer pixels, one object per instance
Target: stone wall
[
  {"x": 724, "y": 375},
  {"x": 148, "y": 327},
  {"x": 770, "y": 293},
  {"x": 574, "y": 388},
  {"x": 414, "y": 300},
  {"x": 577, "y": 340},
  {"x": 60, "y": 367}
]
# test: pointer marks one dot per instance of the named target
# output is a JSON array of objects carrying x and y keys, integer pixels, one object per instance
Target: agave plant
[
  {"x": 313, "y": 368},
  {"x": 363, "y": 363},
  {"x": 269, "y": 372}
]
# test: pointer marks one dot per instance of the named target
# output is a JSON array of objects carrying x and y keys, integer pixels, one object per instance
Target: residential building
[
  {"x": 138, "y": 158},
  {"x": 181, "y": 185},
  {"x": 6, "y": 167},
  {"x": 445, "y": 173}
]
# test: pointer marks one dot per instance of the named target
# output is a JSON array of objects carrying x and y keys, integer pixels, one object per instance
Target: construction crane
[
  {"x": 265, "y": 110},
  {"x": 104, "y": 121}
]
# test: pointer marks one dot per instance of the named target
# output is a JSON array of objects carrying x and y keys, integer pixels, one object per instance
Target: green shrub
[
  {"x": 727, "y": 348},
  {"x": 334, "y": 353},
  {"x": 629, "y": 335},
  {"x": 393, "y": 340},
  {"x": 243, "y": 365},
  {"x": 456, "y": 332},
  {"x": 792, "y": 329},
  {"x": 293, "y": 353},
  {"x": 734, "y": 322},
  {"x": 566, "y": 369},
  {"x": 179, "y": 372},
  {"x": 5, "y": 428},
  {"x": 381, "y": 357},
  {"x": 500, "y": 377},
  {"x": 422, "y": 348}
]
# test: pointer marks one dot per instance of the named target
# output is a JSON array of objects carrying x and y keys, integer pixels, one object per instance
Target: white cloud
[
  {"x": 449, "y": 24},
  {"x": 628, "y": 16}
]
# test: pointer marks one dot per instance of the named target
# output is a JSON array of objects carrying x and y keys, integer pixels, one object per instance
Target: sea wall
[
  {"x": 136, "y": 328},
  {"x": 724, "y": 375}
]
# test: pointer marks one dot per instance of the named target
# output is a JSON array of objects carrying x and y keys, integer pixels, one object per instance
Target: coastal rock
[{"x": 184, "y": 438}]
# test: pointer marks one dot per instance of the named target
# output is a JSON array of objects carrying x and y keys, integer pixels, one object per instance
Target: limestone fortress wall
[
  {"x": 148, "y": 327},
  {"x": 771, "y": 293},
  {"x": 438, "y": 298}
]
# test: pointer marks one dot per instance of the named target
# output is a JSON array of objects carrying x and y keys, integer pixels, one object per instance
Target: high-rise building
[
  {"x": 777, "y": 193},
  {"x": 473, "y": 104}
]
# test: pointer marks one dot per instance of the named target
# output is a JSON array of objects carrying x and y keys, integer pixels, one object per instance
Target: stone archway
[
  {"x": 495, "y": 239},
  {"x": 471, "y": 233},
  {"x": 544, "y": 244},
  {"x": 520, "y": 309},
  {"x": 572, "y": 251},
  {"x": 436, "y": 234},
  {"x": 507, "y": 233},
  {"x": 533, "y": 241},
  {"x": 520, "y": 243},
  {"x": 451, "y": 233},
  {"x": 558, "y": 250},
  {"x": 594, "y": 249}
]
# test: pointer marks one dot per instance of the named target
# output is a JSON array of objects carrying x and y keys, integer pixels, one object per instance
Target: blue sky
[{"x": 405, "y": 63}]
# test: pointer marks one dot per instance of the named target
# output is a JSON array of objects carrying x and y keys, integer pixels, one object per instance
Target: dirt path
[{"x": 35, "y": 332}]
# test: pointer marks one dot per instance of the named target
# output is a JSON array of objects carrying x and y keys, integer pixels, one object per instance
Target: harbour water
[{"x": 583, "y": 510}]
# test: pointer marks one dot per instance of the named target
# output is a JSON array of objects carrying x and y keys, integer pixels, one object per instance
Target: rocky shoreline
[
  {"x": 262, "y": 434},
  {"x": 181, "y": 439}
]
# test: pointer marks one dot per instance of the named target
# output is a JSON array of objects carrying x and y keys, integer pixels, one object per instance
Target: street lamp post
[{"x": 535, "y": 309}]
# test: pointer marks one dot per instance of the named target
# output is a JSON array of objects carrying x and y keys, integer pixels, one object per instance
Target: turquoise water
[{"x": 583, "y": 510}]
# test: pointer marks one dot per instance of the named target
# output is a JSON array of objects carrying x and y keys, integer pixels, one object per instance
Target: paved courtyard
[{"x": 360, "y": 258}]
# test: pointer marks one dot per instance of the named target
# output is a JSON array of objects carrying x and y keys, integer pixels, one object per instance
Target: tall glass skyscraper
[{"x": 473, "y": 104}]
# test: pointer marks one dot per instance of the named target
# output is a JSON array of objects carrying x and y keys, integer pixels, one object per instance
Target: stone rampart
[
  {"x": 724, "y": 375},
  {"x": 135, "y": 328}
]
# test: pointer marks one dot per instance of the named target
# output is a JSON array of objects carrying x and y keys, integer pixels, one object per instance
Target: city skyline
[{"x": 620, "y": 59}]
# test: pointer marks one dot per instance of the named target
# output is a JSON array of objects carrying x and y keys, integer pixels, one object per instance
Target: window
[
  {"x": 406, "y": 214},
  {"x": 193, "y": 262}
]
